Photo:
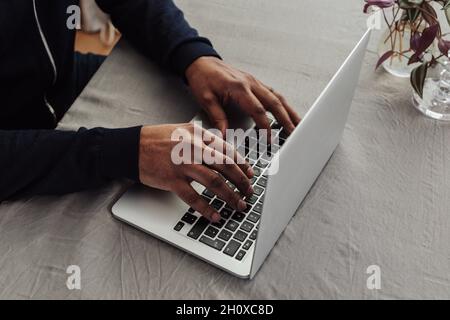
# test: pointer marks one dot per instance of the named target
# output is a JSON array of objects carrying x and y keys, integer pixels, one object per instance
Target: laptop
[{"x": 241, "y": 241}]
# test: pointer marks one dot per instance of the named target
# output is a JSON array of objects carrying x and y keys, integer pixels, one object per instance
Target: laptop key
[
  {"x": 253, "y": 217},
  {"x": 247, "y": 226},
  {"x": 257, "y": 171},
  {"x": 276, "y": 125},
  {"x": 231, "y": 185},
  {"x": 262, "y": 182},
  {"x": 253, "y": 155},
  {"x": 219, "y": 224},
  {"x": 211, "y": 232},
  {"x": 231, "y": 248},
  {"x": 243, "y": 150},
  {"x": 267, "y": 156},
  {"x": 262, "y": 164},
  {"x": 189, "y": 218},
  {"x": 240, "y": 235},
  {"x": 208, "y": 193},
  {"x": 232, "y": 225},
  {"x": 240, "y": 255},
  {"x": 258, "y": 190},
  {"x": 179, "y": 226},
  {"x": 251, "y": 162},
  {"x": 252, "y": 199},
  {"x": 253, "y": 235},
  {"x": 226, "y": 213},
  {"x": 252, "y": 141},
  {"x": 247, "y": 245},
  {"x": 217, "y": 204},
  {"x": 191, "y": 210},
  {"x": 198, "y": 228},
  {"x": 225, "y": 235},
  {"x": 258, "y": 207},
  {"x": 238, "y": 216},
  {"x": 274, "y": 148},
  {"x": 215, "y": 244}
]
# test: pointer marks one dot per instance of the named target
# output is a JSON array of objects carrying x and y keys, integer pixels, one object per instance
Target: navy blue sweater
[{"x": 36, "y": 64}]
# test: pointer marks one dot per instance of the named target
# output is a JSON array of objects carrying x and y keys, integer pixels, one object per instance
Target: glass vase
[
  {"x": 397, "y": 38},
  {"x": 435, "y": 101}
]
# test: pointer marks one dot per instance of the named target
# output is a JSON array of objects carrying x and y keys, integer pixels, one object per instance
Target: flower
[{"x": 378, "y": 3}]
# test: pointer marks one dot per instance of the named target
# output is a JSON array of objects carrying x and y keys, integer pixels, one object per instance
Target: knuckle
[
  {"x": 207, "y": 97},
  {"x": 277, "y": 104},
  {"x": 250, "y": 77},
  {"x": 280, "y": 96},
  {"x": 240, "y": 85}
]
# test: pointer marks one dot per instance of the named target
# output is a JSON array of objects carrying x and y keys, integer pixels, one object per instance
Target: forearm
[
  {"x": 158, "y": 28},
  {"x": 40, "y": 162}
]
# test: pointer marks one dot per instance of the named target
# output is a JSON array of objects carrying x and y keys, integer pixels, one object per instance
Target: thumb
[{"x": 216, "y": 115}]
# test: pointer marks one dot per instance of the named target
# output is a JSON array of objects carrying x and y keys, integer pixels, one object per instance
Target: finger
[
  {"x": 295, "y": 117},
  {"x": 250, "y": 104},
  {"x": 215, "y": 112},
  {"x": 232, "y": 155},
  {"x": 228, "y": 168},
  {"x": 215, "y": 183},
  {"x": 275, "y": 106},
  {"x": 186, "y": 193}
]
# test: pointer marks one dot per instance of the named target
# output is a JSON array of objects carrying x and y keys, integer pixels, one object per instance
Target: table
[{"x": 383, "y": 199}]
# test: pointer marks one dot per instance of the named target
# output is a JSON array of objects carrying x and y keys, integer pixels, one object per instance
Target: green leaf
[
  {"x": 418, "y": 76},
  {"x": 412, "y": 14},
  {"x": 409, "y": 4}
]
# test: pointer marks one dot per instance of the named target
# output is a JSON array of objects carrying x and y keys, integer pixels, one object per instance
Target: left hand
[{"x": 216, "y": 84}]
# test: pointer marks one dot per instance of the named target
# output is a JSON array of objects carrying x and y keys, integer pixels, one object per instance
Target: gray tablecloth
[{"x": 382, "y": 200}]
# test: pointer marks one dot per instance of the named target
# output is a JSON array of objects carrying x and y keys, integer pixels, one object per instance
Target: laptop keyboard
[{"x": 236, "y": 232}]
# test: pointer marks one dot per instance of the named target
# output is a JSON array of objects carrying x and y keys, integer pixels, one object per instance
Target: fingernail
[
  {"x": 216, "y": 217},
  {"x": 250, "y": 190},
  {"x": 250, "y": 172},
  {"x": 242, "y": 205}
]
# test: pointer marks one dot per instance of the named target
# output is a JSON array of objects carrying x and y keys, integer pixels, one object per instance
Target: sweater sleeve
[
  {"x": 38, "y": 162},
  {"x": 159, "y": 30}
]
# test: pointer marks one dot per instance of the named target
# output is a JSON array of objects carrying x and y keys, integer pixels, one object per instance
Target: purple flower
[{"x": 378, "y": 3}]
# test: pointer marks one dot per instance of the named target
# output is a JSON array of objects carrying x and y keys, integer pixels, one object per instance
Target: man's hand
[
  {"x": 216, "y": 84},
  {"x": 157, "y": 168}
]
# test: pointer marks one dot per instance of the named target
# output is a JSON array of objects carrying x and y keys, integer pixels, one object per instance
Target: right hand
[{"x": 157, "y": 170}]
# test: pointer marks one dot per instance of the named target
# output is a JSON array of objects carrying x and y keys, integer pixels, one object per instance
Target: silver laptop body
[{"x": 301, "y": 159}]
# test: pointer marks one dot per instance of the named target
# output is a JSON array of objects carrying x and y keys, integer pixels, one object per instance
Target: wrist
[
  {"x": 185, "y": 54},
  {"x": 198, "y": 66}
]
